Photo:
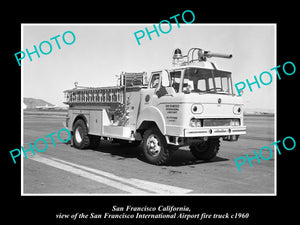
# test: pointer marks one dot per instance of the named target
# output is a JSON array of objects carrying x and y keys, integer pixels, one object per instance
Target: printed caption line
[{"x": 130, "y": 185}]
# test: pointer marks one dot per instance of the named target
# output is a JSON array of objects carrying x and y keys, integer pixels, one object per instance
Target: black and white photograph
[
  {"x": 138, "y": 115},
  {"x": 108, "y": 112}
]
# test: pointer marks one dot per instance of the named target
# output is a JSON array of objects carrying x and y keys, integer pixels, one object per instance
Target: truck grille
[{"x": 216, "y": 122}]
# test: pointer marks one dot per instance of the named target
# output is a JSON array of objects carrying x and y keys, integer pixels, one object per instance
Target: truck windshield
[{"x": 200, "y": 80}]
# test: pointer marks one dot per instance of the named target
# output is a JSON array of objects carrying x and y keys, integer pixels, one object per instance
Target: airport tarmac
[{"x": 112, "y": 169}]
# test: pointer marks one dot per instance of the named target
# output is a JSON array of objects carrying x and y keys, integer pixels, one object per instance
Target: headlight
[
  {"x": 197, "y": 108},
  {"x": 195, "y": 122},
  {"x": 237, "y": 109}
]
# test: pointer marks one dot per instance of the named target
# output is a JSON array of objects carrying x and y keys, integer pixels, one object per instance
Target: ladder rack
[
  {"x": 95, "y": 95},
  {"x": 106, "y": 95}
]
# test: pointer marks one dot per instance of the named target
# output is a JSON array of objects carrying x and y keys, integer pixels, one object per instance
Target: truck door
[{"x": 148, "y": 96}]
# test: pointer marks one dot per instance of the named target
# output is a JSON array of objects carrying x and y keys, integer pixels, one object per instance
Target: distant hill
[
  {"x": 258, "y": 111},
  {"x": 33, "y": 103}
]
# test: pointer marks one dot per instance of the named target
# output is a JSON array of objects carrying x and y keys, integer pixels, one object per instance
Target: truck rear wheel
[
  {"x": 206, "y": 150},
  {"x": 155, "y": 148},
  {"x": 81, "y": 138}
]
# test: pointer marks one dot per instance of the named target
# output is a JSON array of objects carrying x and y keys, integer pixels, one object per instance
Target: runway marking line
[{"x": 130, "y": 185}]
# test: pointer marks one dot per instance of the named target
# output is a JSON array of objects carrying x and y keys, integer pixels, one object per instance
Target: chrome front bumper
[{"x": 214, "y": 131}]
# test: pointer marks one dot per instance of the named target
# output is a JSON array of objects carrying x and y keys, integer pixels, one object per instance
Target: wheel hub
[{"x": 153, "y": 145}]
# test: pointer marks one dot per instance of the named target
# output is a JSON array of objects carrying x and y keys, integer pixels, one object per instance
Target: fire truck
[{"x": 192, "y": 104}]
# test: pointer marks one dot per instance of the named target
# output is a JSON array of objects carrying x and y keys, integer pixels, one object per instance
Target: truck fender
[
  {"x": 80, "y": 116},
  {"x": 152, "y": 114}
]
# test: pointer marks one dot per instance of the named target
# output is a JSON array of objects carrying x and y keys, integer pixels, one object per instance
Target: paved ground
[{"x": 111, "y": 169}]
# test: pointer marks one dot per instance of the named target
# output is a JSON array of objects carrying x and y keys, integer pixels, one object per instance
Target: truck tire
[
  {"x": 155, "y": 149},
  {"x": 206, "y": 150},
  {"x": 81, "y": 138}
]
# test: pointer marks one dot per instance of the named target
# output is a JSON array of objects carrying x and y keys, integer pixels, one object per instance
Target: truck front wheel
[
  {"x": 206, "y": 150},
  {"x": 155, "y": 149}
]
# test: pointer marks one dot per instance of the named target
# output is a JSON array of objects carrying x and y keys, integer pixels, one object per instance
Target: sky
[{"x": 102, "y": 51}]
